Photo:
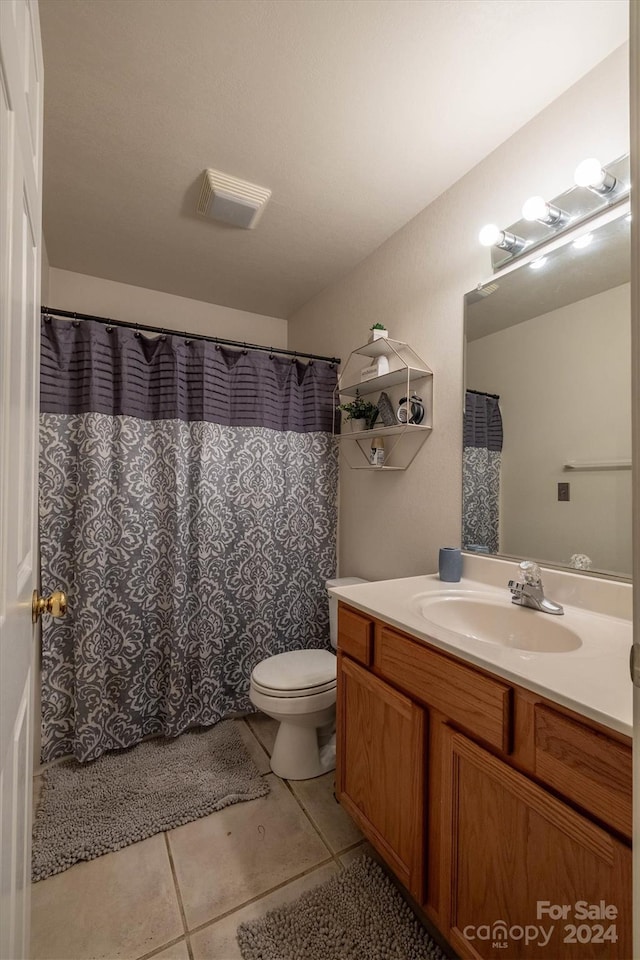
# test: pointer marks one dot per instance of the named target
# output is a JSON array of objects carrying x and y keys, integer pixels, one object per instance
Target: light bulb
[
  {"x": 535, "y": 208},
  {"x": 582, "y": 242},
  {"x": 490, "y": 235},
  {"x": 590, "y": 173},
  {"x": 539, "y": 262}
]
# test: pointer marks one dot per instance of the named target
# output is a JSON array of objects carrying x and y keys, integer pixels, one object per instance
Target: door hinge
[{"x": 634, "y": 665}]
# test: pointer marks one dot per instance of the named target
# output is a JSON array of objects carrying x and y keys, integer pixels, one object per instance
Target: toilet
[{"x": 298, "y": 689}]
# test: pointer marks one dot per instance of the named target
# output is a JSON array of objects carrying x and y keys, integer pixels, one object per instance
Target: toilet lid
[{"x": 296, "y": 671}]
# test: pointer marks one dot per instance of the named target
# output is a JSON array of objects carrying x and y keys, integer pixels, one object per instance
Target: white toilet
[{"x": 298, "y": 689}]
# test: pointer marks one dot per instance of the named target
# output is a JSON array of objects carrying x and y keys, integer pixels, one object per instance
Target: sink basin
[{"x": 500, "y": 622}]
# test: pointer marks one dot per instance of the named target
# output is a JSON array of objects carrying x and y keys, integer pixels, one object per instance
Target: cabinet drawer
[
  {"x": 355, "y": 635},
  {"x": 588, "y": 767},
  {"x": 477, "y": 703}
]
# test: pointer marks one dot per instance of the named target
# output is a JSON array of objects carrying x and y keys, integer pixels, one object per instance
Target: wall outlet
[{"x": 563, "y": 492}]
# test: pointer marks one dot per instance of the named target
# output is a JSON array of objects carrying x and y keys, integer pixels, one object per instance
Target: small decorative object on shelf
[
  {"x": 378, "y": 331},
  {"x": 411, "y": 410},
  {"x": 376, "y": 458},
  {"x": 360, "y": 410},
  {"x": 368, "y": 373},
  {"x": 450, "y": 564},
  {"x": 376, "y": 369},
  {"x": 386, "y": 411}
]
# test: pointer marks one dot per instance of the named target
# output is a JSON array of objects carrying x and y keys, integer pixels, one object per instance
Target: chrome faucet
[{"x": 528, "y": 590}]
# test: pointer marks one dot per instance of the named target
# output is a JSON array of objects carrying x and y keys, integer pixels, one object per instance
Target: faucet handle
[{"x": 531, "y": 573}]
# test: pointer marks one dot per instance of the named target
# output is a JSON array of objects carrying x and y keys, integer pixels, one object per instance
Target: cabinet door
[
  {"x": 381, "y": 768},
  {"x": 522, "y": 866}
]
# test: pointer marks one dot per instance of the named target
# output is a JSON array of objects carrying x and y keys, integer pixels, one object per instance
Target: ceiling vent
[{"x": 231, "y": 200}]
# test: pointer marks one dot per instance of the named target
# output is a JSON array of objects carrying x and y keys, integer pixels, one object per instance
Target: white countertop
[{"x": 592, "y": 680}]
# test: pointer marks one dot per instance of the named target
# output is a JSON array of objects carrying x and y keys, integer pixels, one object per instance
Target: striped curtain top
[
  {"x": 88, "y": 367},
  {"x": 482, "y": 421}
]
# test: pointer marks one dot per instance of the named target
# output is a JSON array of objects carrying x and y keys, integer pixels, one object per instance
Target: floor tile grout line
[
  {"x": 257, "y": 736},
  {"x": 260, "y": 896},
  {"x": 245, "y": 721},
  {"x": 335, "y": 855},
  {"x": 308, "y": 816},
  {"x": 165, "y": 946},
  {"x": 260, "y": 744},
  {"x": 174, "y": 874},
  {"x": 335, "y": 858}
]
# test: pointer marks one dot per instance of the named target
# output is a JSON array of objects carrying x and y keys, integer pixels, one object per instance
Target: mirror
[{"x": 551, "y": 339}]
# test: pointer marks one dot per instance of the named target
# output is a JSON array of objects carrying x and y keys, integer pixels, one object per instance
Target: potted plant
[
  {"x": 361, "y": 414},
  {"x": 378, "y": 331}
]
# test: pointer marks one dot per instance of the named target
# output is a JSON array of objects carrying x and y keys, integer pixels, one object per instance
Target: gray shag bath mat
[
  {"x": 89, "y": 809},
  {"x": 357, "y": 914}
]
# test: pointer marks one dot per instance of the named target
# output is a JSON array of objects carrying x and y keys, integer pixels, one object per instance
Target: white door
[
  {"x": 20, "y": 225},
  {"x": 634, "y": 91}
]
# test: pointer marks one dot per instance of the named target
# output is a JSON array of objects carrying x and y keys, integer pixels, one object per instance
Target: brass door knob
[{"x": 55, "y": 604}]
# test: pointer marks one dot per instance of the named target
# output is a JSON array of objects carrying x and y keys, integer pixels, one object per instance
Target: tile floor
[{"x": 180, "y": 895}]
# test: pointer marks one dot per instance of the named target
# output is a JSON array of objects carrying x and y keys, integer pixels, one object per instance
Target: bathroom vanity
[{"x": 494, "y": 780}]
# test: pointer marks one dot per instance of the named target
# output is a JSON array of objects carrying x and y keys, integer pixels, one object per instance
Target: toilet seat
[
  {"x": 297, "y": 673},
  {"x": 302, "y": 692}
]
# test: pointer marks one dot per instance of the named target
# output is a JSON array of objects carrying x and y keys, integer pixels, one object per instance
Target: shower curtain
[
  {"x": 481, "y": 471},
  {"x": 188, "y": 508}
]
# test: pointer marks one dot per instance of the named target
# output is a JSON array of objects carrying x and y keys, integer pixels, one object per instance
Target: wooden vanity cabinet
[
  {"x": 482, "y": 797},
  {"x": 509, "y": 845},
  {"x": 381, "y": 768}
]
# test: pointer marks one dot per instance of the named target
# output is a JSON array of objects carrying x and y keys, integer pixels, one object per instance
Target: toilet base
[
  {"x": 297, "y": 754},
  {"x": 306, "y": 724}
]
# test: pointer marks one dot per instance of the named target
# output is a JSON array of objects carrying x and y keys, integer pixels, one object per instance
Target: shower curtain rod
[
  {"x": 482, "y": 393},
  {"x": 296, "y": 354}
]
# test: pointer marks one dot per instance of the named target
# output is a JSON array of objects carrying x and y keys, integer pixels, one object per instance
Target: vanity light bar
[
  {"x": 596, "y": 189},
  {"x": 536, "y": 253}
]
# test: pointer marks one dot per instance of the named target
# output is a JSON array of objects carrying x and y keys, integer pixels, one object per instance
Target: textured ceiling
[{"x": 355, "y": 113}]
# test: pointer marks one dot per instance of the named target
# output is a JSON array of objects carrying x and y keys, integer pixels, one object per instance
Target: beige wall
[
  {"x": 121, "y": 301},
  {"x": 393, "y": 524},
  {"x": 564, "y": 381}
]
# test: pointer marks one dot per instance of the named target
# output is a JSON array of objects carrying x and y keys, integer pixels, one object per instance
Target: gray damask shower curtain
[
  {"x": 188, "y": 507},
  {"x": 481, "y": 471}
]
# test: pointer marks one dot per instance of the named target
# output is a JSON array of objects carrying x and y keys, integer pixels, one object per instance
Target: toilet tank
[{"x": 333, "y": 605}]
